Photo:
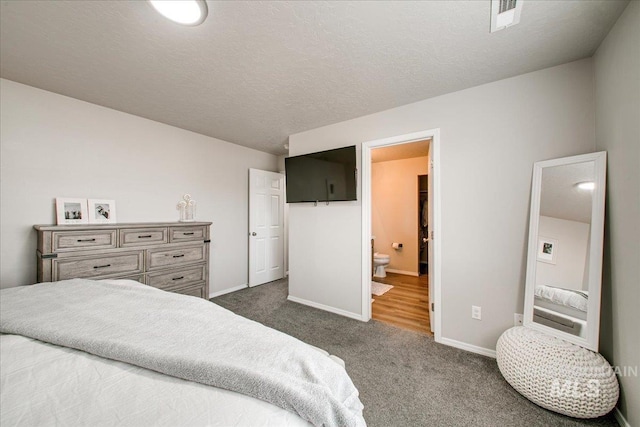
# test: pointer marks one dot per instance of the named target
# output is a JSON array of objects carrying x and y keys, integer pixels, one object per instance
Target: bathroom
[{"x": 399, "y": 230}]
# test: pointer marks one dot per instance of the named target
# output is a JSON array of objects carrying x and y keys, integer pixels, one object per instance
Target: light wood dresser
[{"x": 173, "y": 256}]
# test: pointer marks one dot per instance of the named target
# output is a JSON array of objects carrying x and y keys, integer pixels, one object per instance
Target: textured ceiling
[
  {"x": 561, "y": 198},
  {"x": 256, "y": 72}
]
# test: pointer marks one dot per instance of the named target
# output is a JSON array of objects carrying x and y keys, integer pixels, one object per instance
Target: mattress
[{"x": 559, "y": 308}]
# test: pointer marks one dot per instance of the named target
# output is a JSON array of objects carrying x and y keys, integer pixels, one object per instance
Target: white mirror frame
[{"x": 595, "y": 256}]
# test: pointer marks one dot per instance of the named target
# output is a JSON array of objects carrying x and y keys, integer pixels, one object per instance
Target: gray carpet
[{"x": 404, "y": 378}]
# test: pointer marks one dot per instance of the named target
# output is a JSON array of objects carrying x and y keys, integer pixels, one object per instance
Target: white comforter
[
  {"x": 184, "y": 337},
  {"x": 566, "y": 297},
  {"x": 45, "y": 385}
]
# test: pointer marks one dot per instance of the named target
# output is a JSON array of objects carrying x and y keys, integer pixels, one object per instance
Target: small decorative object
[
  {"x": 71, "y": 211},
  {"x": 102, "y": 211},
  {"x": 547, "y": 249},
  {"x": 187, "y": 208},
  {"x": 556, "y": 374}
]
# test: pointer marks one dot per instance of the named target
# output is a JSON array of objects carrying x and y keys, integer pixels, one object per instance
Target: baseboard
[
  {"x": 228, "y": 291},
  {"x": 468, "y": 347},
  {"x": 406, "y": 273},
  {"x": 325, "y": 307},
  {"x": 620, "y": 418}
]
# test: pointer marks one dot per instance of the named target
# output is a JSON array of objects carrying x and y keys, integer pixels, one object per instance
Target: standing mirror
[{"x": 564, "y": 261}]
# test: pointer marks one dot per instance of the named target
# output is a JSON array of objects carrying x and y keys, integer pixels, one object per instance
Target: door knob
[{"x": 254, "y": 234}]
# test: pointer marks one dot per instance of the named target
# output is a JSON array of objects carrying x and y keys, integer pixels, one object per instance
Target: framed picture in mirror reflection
[{"x": 547, "y": 250}]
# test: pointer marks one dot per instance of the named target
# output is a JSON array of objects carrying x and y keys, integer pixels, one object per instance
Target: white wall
[
  {"x": 394, "y": 210},
  {"x": 281, "y": 166},
  {"x": 490, "y": 137},
  {"x": 617, "y": 100},
  {"x": 571, "y": 253},
  {"x": 53, "y": 145}
]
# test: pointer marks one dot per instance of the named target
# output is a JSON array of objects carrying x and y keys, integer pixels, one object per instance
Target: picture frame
[
  {"x": 71, "y": 211},
  {"x": 101, "y": 211},
  {"x": 547, "y": 250}
]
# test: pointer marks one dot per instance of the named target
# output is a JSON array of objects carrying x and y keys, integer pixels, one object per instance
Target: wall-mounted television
[{"x": 326, "y": 176}]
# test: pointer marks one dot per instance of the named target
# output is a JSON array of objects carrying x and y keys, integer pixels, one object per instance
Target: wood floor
[{"x": 406, "y": 305}]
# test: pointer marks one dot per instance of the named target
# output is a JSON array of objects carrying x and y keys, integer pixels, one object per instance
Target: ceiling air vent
[{"x": 505, "y": 13}]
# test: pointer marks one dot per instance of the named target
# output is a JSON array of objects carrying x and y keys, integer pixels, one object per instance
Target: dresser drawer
[
  {"x": 185, "y": 234},
  {"x": 142, "y": 236},
  {"x": 92, "y": 266},
  {"x": 161, "y": 257},
  {"x": 176, "y": 277},
  {"x": 194, "y": 290},
  {"x": 83, "y": 240}
]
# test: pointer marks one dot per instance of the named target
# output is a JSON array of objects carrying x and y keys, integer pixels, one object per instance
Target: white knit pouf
[{"x": 556, "y": 374}]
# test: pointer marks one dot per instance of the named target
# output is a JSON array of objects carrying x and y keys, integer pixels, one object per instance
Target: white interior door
[
  {"x": 266, "y": 226},
  {"x": 431, "y": 241}
]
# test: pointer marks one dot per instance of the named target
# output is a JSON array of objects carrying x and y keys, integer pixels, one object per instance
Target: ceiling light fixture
[
  {"x": 587, "y": 185},
  {"x": 185, "y": 12}
]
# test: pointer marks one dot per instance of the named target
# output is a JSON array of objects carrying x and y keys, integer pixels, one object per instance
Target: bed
[
  {"x": 570, "y": 302},
  {"x": 82, "y": 352},
  {"x": 560, "y": 308}
]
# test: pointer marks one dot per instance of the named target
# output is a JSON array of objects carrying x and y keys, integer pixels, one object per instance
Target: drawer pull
[
  {"x": 102, "y": 266},
  {"x": 178, "y": 256},
  {"x": 189, "y": 234},
  {"x": 86, "y": 240},
  {"x": 147, "y": 236},
  {"x": 178, "y": 278}
]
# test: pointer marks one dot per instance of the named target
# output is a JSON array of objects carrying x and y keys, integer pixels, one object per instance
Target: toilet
[{"x": 380, "y": 261}]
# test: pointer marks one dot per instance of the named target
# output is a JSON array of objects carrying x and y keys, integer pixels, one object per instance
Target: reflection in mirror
[
  {"x": 562, "y": 274},
  {"x": 565, "y": 248}
]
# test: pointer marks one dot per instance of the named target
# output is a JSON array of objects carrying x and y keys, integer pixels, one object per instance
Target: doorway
[
  {"x": 433, "y": 305},
  {"x": 266, "y": 227},
  {"x": 398, "y": 225},
  {"x": 423, "y": 225}
]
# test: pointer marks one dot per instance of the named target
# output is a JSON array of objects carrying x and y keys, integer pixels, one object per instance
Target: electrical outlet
[
  {"x": 476, "y": 312},
  {"x": 517, "y": 319}
]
